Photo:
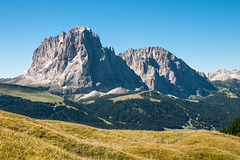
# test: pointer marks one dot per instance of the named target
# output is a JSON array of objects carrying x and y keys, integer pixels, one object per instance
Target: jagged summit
[
  {"x": 80, "y": 29},
  {"x": 77, "y": 29},
  {"x": 162, "y": 71},
  {"x": 223, "y": 74},
  {"x": 77, "y": 60}
]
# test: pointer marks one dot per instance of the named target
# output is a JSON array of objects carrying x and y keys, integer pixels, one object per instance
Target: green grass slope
[
  {"x": 25, "y": 138},
  {"x": 31, "y": 93}
]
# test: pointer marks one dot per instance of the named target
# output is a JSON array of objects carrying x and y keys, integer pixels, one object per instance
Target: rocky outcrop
[
  {"x": 118, "y": 90},
  {"x": 223, "y": 74},
  {"x": 77, "y": 62},
  {"x": 164, "y": 72}
]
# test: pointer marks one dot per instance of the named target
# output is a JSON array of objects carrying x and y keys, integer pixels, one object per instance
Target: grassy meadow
[
  {"x": 26, "y": 138},
  {"x": 30, "y": 93}
]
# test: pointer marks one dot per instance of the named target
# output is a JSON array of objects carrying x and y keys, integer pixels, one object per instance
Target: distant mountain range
[
  {"x": 76, "y": 62},
  {"x": 223, "y": 74}
]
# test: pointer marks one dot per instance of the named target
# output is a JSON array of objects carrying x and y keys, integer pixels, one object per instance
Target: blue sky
[{"x": 204, "y": 33}]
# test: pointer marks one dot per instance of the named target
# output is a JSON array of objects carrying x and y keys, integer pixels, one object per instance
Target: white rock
[
  {"x": 118, "y": 90},
  {"x": 93, "y": 94},
  {"x": 223, "y": 74}
]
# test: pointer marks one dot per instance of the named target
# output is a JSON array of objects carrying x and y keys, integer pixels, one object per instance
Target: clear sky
[{"x": 204, "y": 33}]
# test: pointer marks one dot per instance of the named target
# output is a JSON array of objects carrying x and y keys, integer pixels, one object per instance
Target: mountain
[
  {"x": 162, "y": 71},
  {"x": 223, "y": 74},
  {"x": 76, "y": 62},
  {"x": 233, "y": 128}
]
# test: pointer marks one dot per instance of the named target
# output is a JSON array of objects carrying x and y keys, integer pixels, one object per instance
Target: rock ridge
[
  {"x": 223, "y": 74},
  {"x": 162, "y": 71}
]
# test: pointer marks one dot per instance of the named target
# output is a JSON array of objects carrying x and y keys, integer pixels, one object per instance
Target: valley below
[{"x": 137, "y": 110}]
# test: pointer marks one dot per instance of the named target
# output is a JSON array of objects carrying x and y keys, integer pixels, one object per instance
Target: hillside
[
  {"x": 31, "y": 93},
  {"x": 155, "y": 111},
  {"x": 138, "y": 110},
  {"x": 25, "y": 138},
  {"x": 36, "y": 103},
  {"x": 231, "y": 87}
]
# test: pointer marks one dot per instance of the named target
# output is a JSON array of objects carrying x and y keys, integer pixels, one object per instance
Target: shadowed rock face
[
  {"x": 164, "y": 72},
  {"x": 77, "y": 59}
]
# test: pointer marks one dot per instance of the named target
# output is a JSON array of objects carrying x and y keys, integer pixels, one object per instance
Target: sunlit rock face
[
  {"x": 223, "y": 74},
  {"x": 162, "y": 71},
  {"x": 76, "y": 59}
]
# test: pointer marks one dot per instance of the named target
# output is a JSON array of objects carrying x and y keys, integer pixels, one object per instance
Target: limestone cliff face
[
  {"x": 164, "y": 72},
  {"x": 223, "y": 74},
  {"x": 77, "y": 59},
  {"x": 76, "y": 62}
]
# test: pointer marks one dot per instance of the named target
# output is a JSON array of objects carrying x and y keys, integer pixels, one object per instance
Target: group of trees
[{"x": 233, "y": 128}]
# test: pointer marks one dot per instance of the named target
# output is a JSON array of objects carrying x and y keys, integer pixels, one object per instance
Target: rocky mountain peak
[
  {"x": 80, "y": 29},
  {"x": 77, "y": 60},
  {"x": 223, "y": 74},
  {"x": 162, "y": 71}
]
